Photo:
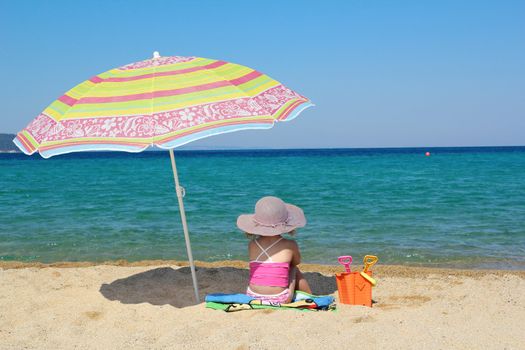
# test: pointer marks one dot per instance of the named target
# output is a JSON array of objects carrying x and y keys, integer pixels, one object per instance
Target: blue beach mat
[{"x": 237, "y": 302}]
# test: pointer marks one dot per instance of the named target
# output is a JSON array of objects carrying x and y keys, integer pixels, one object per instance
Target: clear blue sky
[{"x": 382, "y": 73}]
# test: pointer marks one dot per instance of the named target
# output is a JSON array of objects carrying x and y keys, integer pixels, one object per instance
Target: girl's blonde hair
[{"x": 252, "y": 236}]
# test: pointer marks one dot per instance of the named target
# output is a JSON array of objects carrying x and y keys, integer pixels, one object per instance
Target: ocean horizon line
[
  {"x": 190, "y": 148},
  {"x": 295, "y": 149}
]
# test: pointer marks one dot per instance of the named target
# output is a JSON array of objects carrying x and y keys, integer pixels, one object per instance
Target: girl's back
[
  {"x": 270, "y": 262},
  {"x": 281, "y": 251}
]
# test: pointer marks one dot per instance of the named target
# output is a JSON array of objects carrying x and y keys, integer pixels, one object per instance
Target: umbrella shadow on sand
[{"x": 168, "y": 286}]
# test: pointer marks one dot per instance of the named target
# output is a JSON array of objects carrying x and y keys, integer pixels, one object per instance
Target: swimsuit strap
[{"x": 265, "y": 251}]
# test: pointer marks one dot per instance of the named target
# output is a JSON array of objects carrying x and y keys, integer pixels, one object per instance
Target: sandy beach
[{"x": 149, "y": 305}]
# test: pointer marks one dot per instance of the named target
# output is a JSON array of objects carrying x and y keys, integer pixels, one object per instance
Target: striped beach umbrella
[{"x": 163, "y": 102}]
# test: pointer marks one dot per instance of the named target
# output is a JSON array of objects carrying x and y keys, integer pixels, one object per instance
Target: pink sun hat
[{"x": 272, "y": 217}]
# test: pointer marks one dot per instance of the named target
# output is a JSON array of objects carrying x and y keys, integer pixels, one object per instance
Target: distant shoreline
[{"x": 7, "y": 145}]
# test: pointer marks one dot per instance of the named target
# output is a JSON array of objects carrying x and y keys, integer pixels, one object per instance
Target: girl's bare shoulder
[{"x": 290, "y": 243}]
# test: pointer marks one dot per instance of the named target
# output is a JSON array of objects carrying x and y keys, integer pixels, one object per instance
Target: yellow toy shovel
[{"x": 368, "y": 262}]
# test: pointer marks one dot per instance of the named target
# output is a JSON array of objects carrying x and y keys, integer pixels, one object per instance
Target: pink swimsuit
[{"x": 271, "y": 274}]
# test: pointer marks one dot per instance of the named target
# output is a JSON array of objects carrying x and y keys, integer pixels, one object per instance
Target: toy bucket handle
[
  {"x": 346, "y": 261},
  {"x": 369, "y": 261}
]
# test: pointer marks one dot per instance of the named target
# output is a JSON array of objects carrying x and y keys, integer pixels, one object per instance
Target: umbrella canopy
[{"x": 164, "y": 102}]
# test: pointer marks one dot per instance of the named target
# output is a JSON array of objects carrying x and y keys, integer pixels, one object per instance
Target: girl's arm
[{"x": 296, "y": 258}]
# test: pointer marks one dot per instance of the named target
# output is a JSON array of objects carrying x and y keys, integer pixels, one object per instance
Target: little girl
[{"x": 274, "y": 275}]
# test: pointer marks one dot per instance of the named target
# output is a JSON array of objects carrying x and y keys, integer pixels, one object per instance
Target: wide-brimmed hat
[{"x": 272, "y": 217}]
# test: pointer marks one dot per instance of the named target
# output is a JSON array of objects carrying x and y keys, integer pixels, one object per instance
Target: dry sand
[{"x": 148, "y": 305}]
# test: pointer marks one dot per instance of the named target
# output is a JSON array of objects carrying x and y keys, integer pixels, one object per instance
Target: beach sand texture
[{"x": 148, "y": 305}]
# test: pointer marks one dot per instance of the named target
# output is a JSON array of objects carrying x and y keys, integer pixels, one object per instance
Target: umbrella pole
[{"x": 180, "y": 195}]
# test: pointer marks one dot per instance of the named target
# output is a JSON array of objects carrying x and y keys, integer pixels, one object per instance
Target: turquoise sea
[{"x": 460, "y": 207}]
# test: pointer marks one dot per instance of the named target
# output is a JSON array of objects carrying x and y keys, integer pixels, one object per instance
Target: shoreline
[{"x": 381, "y": 270}]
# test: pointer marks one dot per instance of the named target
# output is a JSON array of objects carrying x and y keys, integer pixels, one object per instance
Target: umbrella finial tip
[{"x": 156, "y": 54}]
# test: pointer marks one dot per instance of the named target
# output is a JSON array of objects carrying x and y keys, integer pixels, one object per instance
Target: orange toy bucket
[{"x": 355, "y": 288}]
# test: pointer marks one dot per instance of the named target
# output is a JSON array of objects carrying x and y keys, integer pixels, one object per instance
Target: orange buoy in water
[{"x": 427, "y": 154}]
